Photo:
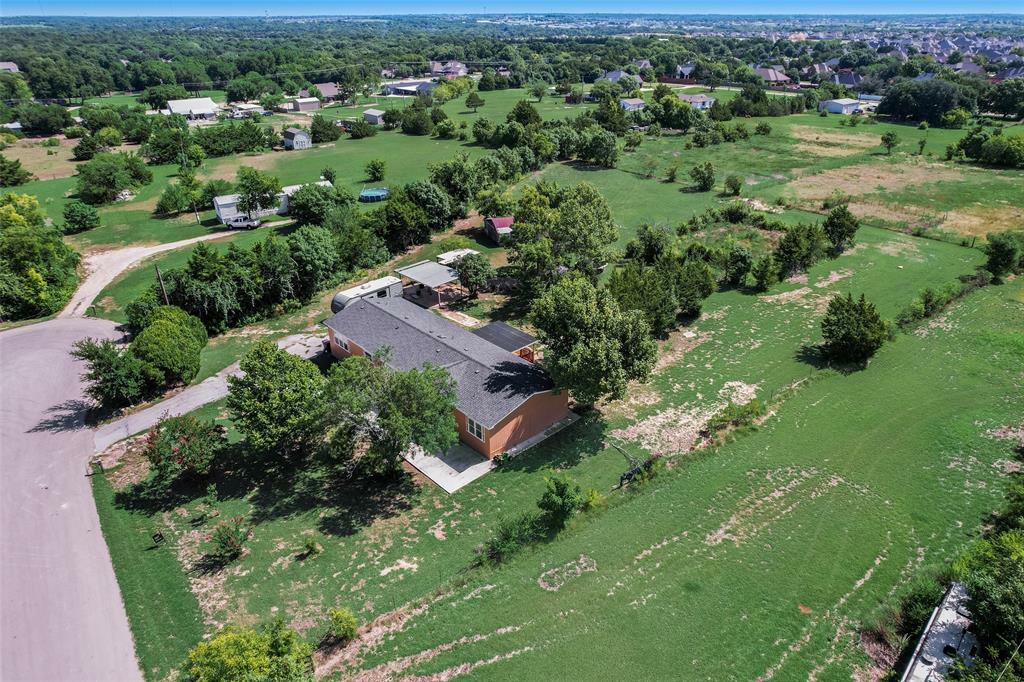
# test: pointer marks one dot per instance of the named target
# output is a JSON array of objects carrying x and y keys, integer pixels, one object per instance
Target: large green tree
[
  {"x": 275, "y": 401},
  {"x": 256, "y": 190},
  {"x": 852, "y": 330},
  {"x": 592, "y": 348}
]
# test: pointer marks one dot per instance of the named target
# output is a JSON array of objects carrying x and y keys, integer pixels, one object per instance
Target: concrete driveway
[{"x": 61, "y": 615}]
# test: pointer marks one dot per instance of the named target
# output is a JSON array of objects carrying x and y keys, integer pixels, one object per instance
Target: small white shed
[{"x": 374, "y": 116}]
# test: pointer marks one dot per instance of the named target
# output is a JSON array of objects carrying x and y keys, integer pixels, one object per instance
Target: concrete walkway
[
  {"x": 306, "y": 346},
  {"x": 103, "y": 267}
]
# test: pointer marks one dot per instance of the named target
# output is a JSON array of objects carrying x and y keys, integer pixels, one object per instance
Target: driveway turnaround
[{"x": 61, "y": 615}]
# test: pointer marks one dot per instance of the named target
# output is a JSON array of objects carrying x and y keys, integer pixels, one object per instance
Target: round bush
[
  {"x": 170, "y": 348},
  {"x": 177, "y": 316},
  {"x": 344, "y": 624}
]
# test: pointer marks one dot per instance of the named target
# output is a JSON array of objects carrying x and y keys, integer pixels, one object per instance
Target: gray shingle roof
[
  {"x": 491, "y": 381},
  {"x": 504, "y": 336}
]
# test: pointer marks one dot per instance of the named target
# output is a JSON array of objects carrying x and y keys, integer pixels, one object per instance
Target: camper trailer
[{"x": 385, "y": 287}]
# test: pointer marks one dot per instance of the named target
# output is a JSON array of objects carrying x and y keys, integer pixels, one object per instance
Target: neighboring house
[
  {"x": 816, "y": 70},
  {"x": 847, "y": 78},
  {"x": 926, "y": 76},
  {"x": 194, "y": 109},
  {"x": 409, "y": 88},
  {"x": 226, "y": 206},
  {"x": 685, "y": 70},
  {"x": 10, "y": 67},
  {"x": 839, "y": 106},
  {"x": 296, "y": 138},
  {"x": 329, "y": 91},
  {"x": 643, "y": 64},
  {"x": 377, "y": 288},
  {"x": 14, "y": 127},
  {"x": 374, "y": 116},
  {"x": 305, "y": 104},
  {"x": 969, "y": 67},
  {"x": 616, "y": 76},
  {"x": 771, "y": 76},
  {"x": 947, "y": 638},
  {"x": 502, "y": 399},
  {"x": 1014, "y": 72},
  {"x": 632, "y": 104},
  {"x": 499, "y": 228},
  {"x": 698, "y": 101},
  {"x": 450, "y": 69}
]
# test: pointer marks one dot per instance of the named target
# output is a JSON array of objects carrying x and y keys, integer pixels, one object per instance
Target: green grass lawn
[
  {"x": 386, "y": 546},
  {"x": 127, "y": 100}
]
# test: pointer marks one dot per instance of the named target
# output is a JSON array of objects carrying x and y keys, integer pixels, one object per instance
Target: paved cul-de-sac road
[{"x": 61, "y": 614}]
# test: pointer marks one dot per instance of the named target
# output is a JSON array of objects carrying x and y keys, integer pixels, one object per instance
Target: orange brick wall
[{"x": 339, "y": 352}]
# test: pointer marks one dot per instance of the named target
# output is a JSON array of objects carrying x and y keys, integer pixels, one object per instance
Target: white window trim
[
  {"x": 342, "y": 341},
  {"x": 470, "y": 424}
]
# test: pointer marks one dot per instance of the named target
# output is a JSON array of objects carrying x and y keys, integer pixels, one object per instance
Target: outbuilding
[
  {"x": 297, "y": 138},
  {"x": 632, "y": 104},
  {"x": 305, "y": 104},
  {"x": 843, "y": 105},
  {"x": 374, "y": 116},
  {"x": 499, "y": 228}
]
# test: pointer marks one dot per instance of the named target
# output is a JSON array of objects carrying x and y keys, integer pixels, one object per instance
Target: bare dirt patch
[
  {"x": 824, "y": 142},
  {"x": 868, "y": 177},
  {"x": 786, "y": 296},
  {"x": 556, "y": 578},
  {"x": 672, "y": 431},
  {"x": 759, "y": 205},
  {"x": 227, "y": 170},
  {"x": 679, "y": 343},
  {"x": 833, "y": 277},
  {"x": 131, "y": 464},
  {"x": 1014, "y": 434}
]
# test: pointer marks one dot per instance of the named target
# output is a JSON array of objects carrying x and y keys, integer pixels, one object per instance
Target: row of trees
[{"x": 990, "y": 146}]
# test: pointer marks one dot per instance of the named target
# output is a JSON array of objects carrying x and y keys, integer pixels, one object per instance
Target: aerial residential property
[{"x": 593, "y": 345}]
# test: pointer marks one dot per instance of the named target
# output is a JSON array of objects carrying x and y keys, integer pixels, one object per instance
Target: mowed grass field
[{"x": 881, "y": 462}]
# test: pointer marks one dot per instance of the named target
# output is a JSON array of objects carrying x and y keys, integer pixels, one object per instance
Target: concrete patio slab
[
  {"x": 461, "y": 464},
  {"x": 451, "y": 470}
]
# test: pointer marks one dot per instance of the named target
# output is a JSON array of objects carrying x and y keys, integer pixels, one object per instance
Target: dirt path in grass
[{"x": 103, "y": 267}]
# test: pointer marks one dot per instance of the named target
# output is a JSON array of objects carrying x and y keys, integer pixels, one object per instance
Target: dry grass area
[
  {"x": 227, "y": 168},
  {"x": 46, "y": 163},
  {"x": 869, "y": 177},
  {"x": 813, "y": 140},
  {"x": 980, "y": 220}
]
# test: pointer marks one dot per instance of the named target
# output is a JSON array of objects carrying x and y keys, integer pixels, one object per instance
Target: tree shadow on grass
[{"x": 813, "y": 355}]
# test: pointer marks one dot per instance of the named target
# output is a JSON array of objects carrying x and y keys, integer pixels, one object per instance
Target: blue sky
[{"x": 250, "y": 8}]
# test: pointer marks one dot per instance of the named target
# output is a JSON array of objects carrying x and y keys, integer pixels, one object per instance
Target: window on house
[
  {"x": 474, "y": 428},
  {"x": 341, "y": 341}
]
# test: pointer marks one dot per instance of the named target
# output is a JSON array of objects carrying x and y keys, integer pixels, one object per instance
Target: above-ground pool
[{"x": 374, "y": 194}]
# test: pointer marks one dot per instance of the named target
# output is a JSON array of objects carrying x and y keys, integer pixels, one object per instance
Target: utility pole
[{"x": 163, "y": 289}]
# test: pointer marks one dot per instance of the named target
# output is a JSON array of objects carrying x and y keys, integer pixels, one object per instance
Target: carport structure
[{"x": 430, "y": 283}]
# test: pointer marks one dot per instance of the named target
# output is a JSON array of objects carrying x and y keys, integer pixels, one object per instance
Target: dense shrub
[
  {"x": 178, "y": 317},
  {"x": 12, "y": 173},
  {"x": 343, "y": 624},
  {"x": 562, "y": 499},
  {"x": 170, "y": 348},
  {"x": 114, "y": 377},
  {"x": 510, "y": 536},
  {"x": 243, "y": 655},
  {"x": 79, "y": 217},
  {"x": 183, "y": 446}
]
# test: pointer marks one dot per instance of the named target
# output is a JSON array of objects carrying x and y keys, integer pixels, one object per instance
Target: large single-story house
[
  {"x": 1012, "y": 72},
  {"x": 502, "y": 399},
  {"x": 226, "y": 205},
  {"x": 10, "y": 67},
  {"x": 700, "y": 101},
  {"x": 374, "y": 116},
  {"x": 195, "y": 108},
  {"x": 844, "y": 105},
  {"x": 305, "y": 104},
  {"x": 771, "y": 76},
  {"x": 632, "y": 103},
  {"x": 846, "y": 78},
  {"x": 409, "y": 88},
  {"x": 499, "y": 228},
  {"x": 296, "y": 138}
]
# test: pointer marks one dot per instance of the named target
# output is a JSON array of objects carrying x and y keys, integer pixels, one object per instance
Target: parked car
[{"x": 242, "y": 221}]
